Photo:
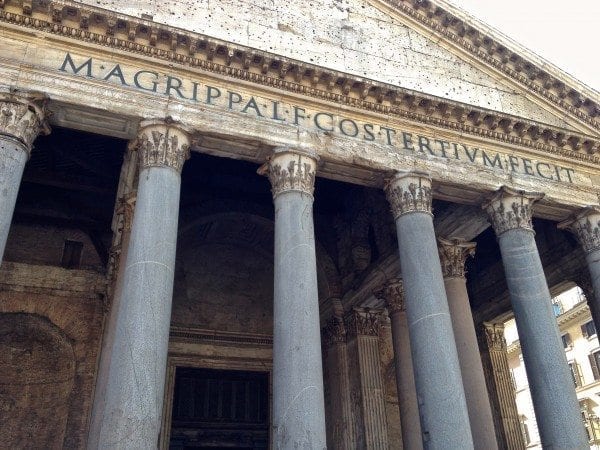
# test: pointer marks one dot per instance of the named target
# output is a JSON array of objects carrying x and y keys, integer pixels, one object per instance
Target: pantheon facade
[{"x": 235, "y": 224}]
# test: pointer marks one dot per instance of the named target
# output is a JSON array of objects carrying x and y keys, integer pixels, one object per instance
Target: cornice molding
[
  {"x": 494, "y": 53},
  {"x": 98, "y": 26}
]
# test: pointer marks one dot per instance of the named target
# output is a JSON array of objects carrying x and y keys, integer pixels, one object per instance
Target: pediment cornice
[{"x": 96, "y": 26}]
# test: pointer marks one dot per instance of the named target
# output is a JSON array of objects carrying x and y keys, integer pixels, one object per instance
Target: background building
[{"x": 580, "y": 341}]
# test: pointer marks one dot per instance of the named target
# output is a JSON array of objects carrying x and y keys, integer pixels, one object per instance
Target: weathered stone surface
[
  {"x": 354, "y": 36},
  {"x": 51, "y": 325}
]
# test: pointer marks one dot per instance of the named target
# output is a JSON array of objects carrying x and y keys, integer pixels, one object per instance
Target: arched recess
[
  {"x": 37, "y": 375},
  {"x": 224, "y": 271}
]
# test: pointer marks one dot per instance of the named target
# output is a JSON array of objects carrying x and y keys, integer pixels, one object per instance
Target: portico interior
[
  {"x": 286, "y": 225},
  {"x": 223, "y": 292}
]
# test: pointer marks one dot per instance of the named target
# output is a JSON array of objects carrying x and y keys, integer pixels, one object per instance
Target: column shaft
[
  {"x": 341, "y": 435},
  {"x": 13, "y": 156},
  {"x": 478, "y": 403},
  {"x": 298, "y": 403},
  {"x": 552, "y": 391},
  {"x": 453, "y": 254},
  {"x": 366, "y": 379},
  {"x": 136, "y": 375},
  {"x": 500, "y": 386},
  {"x": 586, "y": 227},
  {"x": 442, "y": 405},
  {"x": 22, "y": 118},
  {"x": 405, "y": 382},
  {"x": 393, "y": 294}
]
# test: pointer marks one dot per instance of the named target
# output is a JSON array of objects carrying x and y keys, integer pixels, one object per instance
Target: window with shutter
[{"x": 594, "y": 358}]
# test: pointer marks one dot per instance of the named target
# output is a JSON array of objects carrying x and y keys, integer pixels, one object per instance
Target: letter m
[{"x": 87, "y": 65}]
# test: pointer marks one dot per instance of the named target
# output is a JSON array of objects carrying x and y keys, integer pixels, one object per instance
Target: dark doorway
[{"x": 220, "y": 410}]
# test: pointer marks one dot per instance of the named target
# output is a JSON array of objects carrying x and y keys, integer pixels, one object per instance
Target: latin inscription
[{"x": 322, "y": 121}]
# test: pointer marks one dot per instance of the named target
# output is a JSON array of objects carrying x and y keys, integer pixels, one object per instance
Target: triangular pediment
[{"x": 420, "y": 46}]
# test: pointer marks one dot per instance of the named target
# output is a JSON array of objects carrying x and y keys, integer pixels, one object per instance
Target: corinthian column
[
  {"x": 500, "y": 386},
  {"x": 366, "y": 382},
  {"x": 453, "y": 254},
  {"x": 442, "y": 405},
  {"x": 552, "y": 391},
  {"x": 586, "y": 227},
  {"x": 393, "y": 294},
  {"x": 136, "y": 375},
  {"x": 22, "y": 119},
  {"x": 341, "y": 428},
  {"x": 298, "y": 403}
]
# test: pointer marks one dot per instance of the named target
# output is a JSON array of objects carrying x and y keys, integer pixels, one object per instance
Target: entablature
[{"x": 96, "y": 26}]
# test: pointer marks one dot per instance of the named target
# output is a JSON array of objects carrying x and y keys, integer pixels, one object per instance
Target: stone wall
[
  {"x": 352, "y": 36},
  {"x": 50, "y": 330}
]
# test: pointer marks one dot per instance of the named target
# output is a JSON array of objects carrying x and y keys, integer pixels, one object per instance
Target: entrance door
[{"x": 220, "y": 410}]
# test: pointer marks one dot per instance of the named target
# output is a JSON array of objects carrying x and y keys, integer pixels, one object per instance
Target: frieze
[
  {"x": 408, "y": 193},
  {"x": 393, "y": 295},
  {"x": 509, "y": 209},
  {"x": 162, "y": 145},
  {"x": 453, "y": 254},
  {"x": 23, "y": 117},
  {"x": 586, "y": 227},
  {"x": 232, "y": 60},
  {"x": 323, "y": 122}
]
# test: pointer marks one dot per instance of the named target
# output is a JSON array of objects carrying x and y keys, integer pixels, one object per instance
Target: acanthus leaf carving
[
  {"x": 509, "y": 209},
  {"x": 162, "y": 144},
  {"x": 290, "y": 170},
  {"x": 586, "y": 227},
  {"x": 334, "y": 332},
  {"x": 393, "y": 295},
  {"x": 409, "y": 192},
  {"x": 363, "y": 322},
  {"x": 494, "y": 334},
  {"x": 453, "y": 255},
  {"x": 23, "y": 117}
]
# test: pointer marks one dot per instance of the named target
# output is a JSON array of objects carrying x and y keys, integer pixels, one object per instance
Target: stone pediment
[
  {"x": 462, "y": 79},
  {"x": 422, "y": 46}
]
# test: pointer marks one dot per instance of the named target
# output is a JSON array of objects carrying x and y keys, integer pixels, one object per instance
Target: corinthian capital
[
  {"x": 586, "y": 227},
  {"x": 290, "y": 170},
  {"x": 494, "y": 335},
  {"x": 334, "y": 332},
  {"x": 23, "y": 117},
  {"x": 453, "y": 254},
  {"x": 509, "y": 209},
  {"x": 363, "y": 322},
  {"x": 393, "y": 295},
  {"x": 409, "y": 192},
  {"x": 162, "y": 144}
]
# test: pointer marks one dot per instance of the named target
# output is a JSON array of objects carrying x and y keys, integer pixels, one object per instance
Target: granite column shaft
[
  {"x": 453, "y": 255},
  {"x": 298, "y": 401},
  {"x": 552, "y": 391},
  {"x": 134, "y": 390},
  {"x": 442, "y": 405},
  {"x": 586, "y": 227},
  {"x": 393, "y": 294},
  {"x": 22, "y": 119}
]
